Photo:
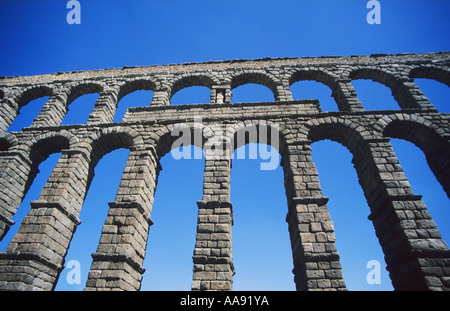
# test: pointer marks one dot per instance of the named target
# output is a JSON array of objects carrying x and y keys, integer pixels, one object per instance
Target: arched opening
[
  {"x": 435, "y": 147},
  {"x": 19, "y": 177},
  {"x": 434, "y": 73},
  {"x": 252, "y": 92},
  {"x": 253, "y": 87},
  {"x": 78, "y": 248},
  {"x": 438, "y": 93},
  {"x": 356, "y": 241},
  {"x": 401, "y": 91},
  {"x": 172, "y": 237},
  {"x": 314, "y": 90},
  {"x": 168, "y": 261},
  {"x": 192, "y": 95},
  {"x": 262, "y": 253},
  {"x": 195, "y": 89},
  {"x": 103, "y": 188},
  {"x": 374, "y": 95},
  {"x": 45, "y": 168},
  {"x": 424, "y": 182},
  {"x": 79, "y": 110},
  {"x": 27, "y": 114},
  {"x": 139, "y": 98}
]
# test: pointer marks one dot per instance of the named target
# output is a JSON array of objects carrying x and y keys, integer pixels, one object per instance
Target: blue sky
[{"x": 36, "y": 39}]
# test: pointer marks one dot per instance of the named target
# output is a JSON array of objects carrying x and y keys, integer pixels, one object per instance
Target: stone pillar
[
  {"x": 345, "y": 96},
  {"x": 15, "y": 174},
  {"x": 316, "y": 260},
  {"x": 52, "y": 112},
  {"x": 104, "y": 110},
  {"x": 161, "y": 98},
  {"x": 118, "y": 262},
  {"x": 409, "y": 96},
  {"x": 287, "y": 91},
  {"x": 8, "y": 112},
  {"x": 440, "y": 166},
  {"x": 283, "y": 93},
  {"x": 213, "y": 260},
  {"x": 415, "y": 254},
  {"x": 35, "y": 257}
]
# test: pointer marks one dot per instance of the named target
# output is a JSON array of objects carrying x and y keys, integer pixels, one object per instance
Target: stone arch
[
  {"x": 432, "y": 140},
  {"x": 317, "y": 75},
  {"x": 349, "y": 134},
  {"x": 44, "y": 145},
  {"x": 430, "y": 72},
  {"x": 107, "y": 140},
  {"x": 400, "y": 91},
  {"x": 32, "y": 93},
  {"x": 414, "y": 253},
  {"x": 20, "y": 166},
  {"x": 264, "y": 141},
  {"x": 41, "y": 147},
  {"x": 188, "y": 80},
  {"x": 257, "y": 77},
  {"x": 401, "y": 125},
  {"x": 321, "y": 76},
  {"x": 257, "y": 131},
  {"x": 198, "y": 134},
  {"x": 386, "y": 197},
  {"x": 69, "y": 98},
  {"x": 86, "y": 87},
  {"x": 137, "y": 84},
  {"x": 36, "y": 150},
  {"x": 13, "y": 99}
]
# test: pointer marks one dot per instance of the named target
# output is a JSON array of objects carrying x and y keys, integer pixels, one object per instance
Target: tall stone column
[
  {"x": 35, "y": 257},
  {"x": 8, "y": 112},
  {"x": 14, "y": 180},
  {"x": 52, "y": 112},
  {"x": 345, "y": 95},
  {"x": 104, "y": 110},
  {"x": 118, "y": 262},
  {"x": 160, "y": 98},
  {"x": 213, "y": 260},
  {"x": 287, "y": 91},
  {"x": 283, "y": 93},
  {"x": 415, "y": 254},
  {"x": 316, "y": 260},
  {"x": 409, "y": 96}
]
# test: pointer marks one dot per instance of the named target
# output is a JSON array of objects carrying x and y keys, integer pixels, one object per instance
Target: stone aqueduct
[{"x": 416, "y": 256}]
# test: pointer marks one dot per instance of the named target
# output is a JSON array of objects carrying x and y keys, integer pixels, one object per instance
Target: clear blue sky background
[{"x": 36, "y": 39}]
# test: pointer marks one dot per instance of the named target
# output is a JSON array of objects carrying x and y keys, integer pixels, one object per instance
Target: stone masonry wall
[{"x": 416, "y": 256}]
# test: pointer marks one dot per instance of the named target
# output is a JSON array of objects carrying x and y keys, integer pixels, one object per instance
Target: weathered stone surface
[{"x": 416, "y": 256}]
